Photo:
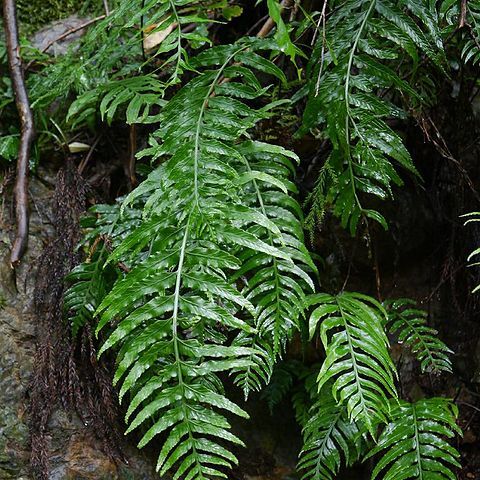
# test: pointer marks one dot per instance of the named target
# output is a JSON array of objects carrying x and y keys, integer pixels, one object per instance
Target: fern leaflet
[
  {"x": 410, "y": 324},
  {"x": 413, "y": 444},
  {"x": 358, "y": 361}
]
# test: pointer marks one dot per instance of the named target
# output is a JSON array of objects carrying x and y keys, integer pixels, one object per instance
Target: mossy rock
[{"x": 34, "y": 14}]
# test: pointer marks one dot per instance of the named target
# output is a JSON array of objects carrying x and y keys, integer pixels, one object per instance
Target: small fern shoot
[
  {"x": 89, "y": 284},
  {"x": 410, "y": 325}
]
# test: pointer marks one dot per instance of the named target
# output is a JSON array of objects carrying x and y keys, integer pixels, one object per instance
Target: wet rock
[
  {"x": 56, "y": 29},
  {"x": 74, "y": 452}
]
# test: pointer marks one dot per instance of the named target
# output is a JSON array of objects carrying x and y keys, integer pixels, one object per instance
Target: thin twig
[
  {"x": 269, "y": 24},
  {"x": 84, "y": 162},
  {"x": 67, "y": 34},
  {"x": 322, "y": 19},
  {"x": 27, "y": 130},
  {"x": 256, "y": 24},
  {"x": 105, "y": 6},
  {"x": 142, "y": 31},
  {"x": 462, "y": 21},
  {"x": 130, "y": 165},
  {"x": 469, "y": 405}
]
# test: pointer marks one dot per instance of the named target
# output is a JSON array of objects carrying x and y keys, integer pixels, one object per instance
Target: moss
[{"x": 34, "y": 14}]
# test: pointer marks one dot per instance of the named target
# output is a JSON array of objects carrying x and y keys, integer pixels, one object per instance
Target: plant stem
[{"x": 27, "y": 131}]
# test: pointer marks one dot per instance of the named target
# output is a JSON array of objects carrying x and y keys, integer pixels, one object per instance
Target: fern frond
[
  {"x": 414, "y": 443},
  {"x": 100, "y": 76},
  {"x": 473, "y": 217},
  {"x": 275, "y": 285},
  {"x": 305, "y": 394},
  {"x": 283, "y": 377},
  {"x": 89, "y": 284},
  {"x": 357, "y": 361},
  {"x": 330, "y": 439},
  {"x": 207, "y": 215},
  {"x": 258, "y": 373},
  {"x": 350, "y": 71},
  {"x": 410, "y": 325}
]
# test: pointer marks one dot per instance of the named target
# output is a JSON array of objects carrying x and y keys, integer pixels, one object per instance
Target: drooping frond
[
  {"x": 410, "y": 325},
  {"x": 258, "y": 373},
  {"x": 357, "y": 358},
  {"x": 216, "y": 205},
  {"x": 414, "y": 445},
  {"x": 353, "y": 88},
  {"x": 281, "y": 382},
  {"x": 274, "y": 285},
  {"x": 330, "y": 440},
  {"x": 305, "y": 394}
]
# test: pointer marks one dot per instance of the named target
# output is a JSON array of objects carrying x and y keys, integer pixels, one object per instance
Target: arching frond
[
  {"x": 358, "y": 362},
  {"x": 410, "y": 325},
  {"x": 414, "y": 444},
  {"x": 330, "y": 440},
  {"x": 353, "y": 87}
]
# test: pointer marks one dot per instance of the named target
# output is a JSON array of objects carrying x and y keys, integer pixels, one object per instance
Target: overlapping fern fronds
[
  {"x": 208, "y": 273},
  {"x": 216, "y": 214},
  {"x": 100, "y": 78},
  {"x": 354, "y": 85},
  {"x": 357, "y": 396}
]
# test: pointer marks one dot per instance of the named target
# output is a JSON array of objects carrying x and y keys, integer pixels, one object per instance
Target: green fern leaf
[
  {"x": 410, "y": 324},
  {"x": 353, "y": 63},
  {"x": 358, "y": 361},
  {"x": 414, "y": 444},
  {"x": 90, "y": 283},
  {"x": 330, "y": 440}
]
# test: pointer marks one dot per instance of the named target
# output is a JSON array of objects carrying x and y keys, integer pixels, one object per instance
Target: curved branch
[{"x": 27, "y": 130}]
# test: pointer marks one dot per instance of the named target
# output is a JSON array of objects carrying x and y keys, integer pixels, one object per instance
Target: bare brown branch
[
  {"x": 130, "y": 164},
  {"x": 462, "y": 21},
  {"x": 27, "y": 130},
  {"x": 269, "y": 24}
]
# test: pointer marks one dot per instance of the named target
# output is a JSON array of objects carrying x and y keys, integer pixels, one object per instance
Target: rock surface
[
  {"x": 74, "y": 453},
  {"x": 56, "y": 29}
]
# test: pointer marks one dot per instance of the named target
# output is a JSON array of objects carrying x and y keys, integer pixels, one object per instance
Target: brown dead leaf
[{"x": 154, "y": 39}]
